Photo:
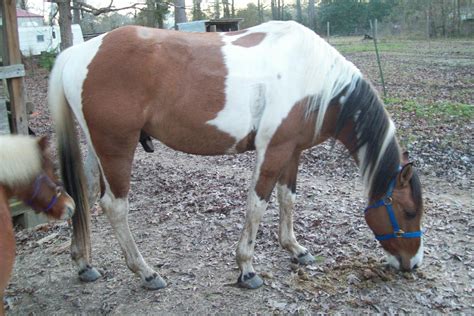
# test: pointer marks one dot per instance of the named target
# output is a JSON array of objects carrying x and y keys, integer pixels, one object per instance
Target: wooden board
[
  {"x": 12, "y": 71},
  {"x": 22, "y": 215}
]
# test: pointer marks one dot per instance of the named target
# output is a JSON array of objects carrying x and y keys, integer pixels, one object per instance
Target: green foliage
[
  {"x": 444, "y": 110},
  {"x": 352, "y": 16},
  {"x": 250, "y": 16},
  {"x": 46, "y": 59},
  {"x": 104, "y": 23}
]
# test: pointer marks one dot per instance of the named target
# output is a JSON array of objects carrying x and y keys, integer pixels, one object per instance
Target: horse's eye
[{"x": 410, "y": 214}]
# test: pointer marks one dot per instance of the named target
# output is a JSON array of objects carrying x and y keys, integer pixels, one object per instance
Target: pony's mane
[{"x": 20, "y": 159}]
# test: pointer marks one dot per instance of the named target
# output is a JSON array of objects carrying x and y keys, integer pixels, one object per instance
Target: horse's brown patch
[
  {"x": 250, "y": 40},
  {"x": 295, "y": 134},
  {"x": 168, "y": 84}
]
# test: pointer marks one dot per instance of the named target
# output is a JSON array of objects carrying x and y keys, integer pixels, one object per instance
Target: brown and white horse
[
  {"x": 26, "y": 172},
  {"x": 276, "y": 88}
]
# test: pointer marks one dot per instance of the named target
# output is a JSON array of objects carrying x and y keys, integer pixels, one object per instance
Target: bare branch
[{"x": 98, "y": 11}]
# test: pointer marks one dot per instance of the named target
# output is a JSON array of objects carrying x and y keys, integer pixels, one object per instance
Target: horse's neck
[{"x": 348, "y": 138}]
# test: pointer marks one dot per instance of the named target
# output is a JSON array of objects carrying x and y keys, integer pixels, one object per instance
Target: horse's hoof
[
  {"x": 89, "y": 274},
  {"x": 305, "y": 259},
  {"x": 250, "y": 281},
  {"x": 154, "y": 282}
]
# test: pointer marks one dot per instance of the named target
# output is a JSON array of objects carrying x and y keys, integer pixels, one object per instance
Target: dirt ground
[{"x": 187, "y": 213}]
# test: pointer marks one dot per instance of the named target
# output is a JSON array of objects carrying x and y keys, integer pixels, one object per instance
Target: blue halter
[{"x": 387, "y": 202}]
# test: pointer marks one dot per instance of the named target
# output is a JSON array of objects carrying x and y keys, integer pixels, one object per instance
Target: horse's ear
[
  {"x": 405, "y": 175},
  {"x": 43, "y": 143},
  {"x": 405, "y": 157}
]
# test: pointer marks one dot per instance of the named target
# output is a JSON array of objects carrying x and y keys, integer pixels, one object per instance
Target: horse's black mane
[{"x": 365, "y": 109}]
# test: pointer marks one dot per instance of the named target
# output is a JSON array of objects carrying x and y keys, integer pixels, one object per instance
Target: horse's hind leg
[
  {"x": 286, "y": 190},
  {"x": 117, "y": 211},
  {"x": 92, "y": 173},
  {"x": 117, "y": 171}
]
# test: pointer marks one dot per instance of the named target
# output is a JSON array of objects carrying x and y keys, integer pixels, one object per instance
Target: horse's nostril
[{"x": 415, "y": 267}]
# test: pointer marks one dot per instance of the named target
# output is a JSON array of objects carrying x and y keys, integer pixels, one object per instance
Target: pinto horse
[
  {"x": 276, "y": 88},
  {"x": 26, "y": 172}
]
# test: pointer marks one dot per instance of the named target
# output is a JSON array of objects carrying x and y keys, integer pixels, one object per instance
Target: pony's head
[
  {"x": 28, "y": 173},
  {"x": 395, "y": 220}
]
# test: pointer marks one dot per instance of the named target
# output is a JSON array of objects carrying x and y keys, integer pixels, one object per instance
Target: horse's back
[{"x": 203, "y": 93}]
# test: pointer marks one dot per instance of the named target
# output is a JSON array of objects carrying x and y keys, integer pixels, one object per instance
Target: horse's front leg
[
  {"x": 286, "y": 190},
  {"x": 268, "y": 168}
]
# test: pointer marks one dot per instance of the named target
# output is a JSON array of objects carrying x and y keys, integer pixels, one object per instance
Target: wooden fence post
[{"x": 12, "y": 56}]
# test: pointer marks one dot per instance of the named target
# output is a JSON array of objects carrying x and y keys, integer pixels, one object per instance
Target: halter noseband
[
  {"x": 39, "y": 179},
  {"x": 387, "y": 202}
]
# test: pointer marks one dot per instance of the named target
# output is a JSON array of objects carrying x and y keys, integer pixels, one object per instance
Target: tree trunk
[
  {"x": 311, "y": 15},
  {"x": 274, "y": 10},
  {"x": 150, "y": 13},
  {"x": 217, "y": 9},
  {"x": 76, "y": 12},
  {"x": 458, "y": 9},
  {"x": 299, "y": 13},
  {"x": 225, "y": 5},
  {"x": 180, "y": 12},
  {"x": 65, "y": 21},
  {"x": 197, "y": 12}
]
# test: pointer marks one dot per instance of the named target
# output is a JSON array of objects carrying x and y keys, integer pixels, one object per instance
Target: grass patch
[
  {"x": 46, "y": 59},
  {"x": 368, "y": 46},
  {"x": 439, "y": 110}
]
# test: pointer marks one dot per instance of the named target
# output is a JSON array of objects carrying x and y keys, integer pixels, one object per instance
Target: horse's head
[
  {"x": 396, "y": 220},
  {"x": 44, "y": 193}
]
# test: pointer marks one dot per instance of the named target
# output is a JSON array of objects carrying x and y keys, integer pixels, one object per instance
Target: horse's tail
[{"x": 69, "y": 154}]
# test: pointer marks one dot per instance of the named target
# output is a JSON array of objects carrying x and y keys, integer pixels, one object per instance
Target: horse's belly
[{"x": 202, "y": 139}]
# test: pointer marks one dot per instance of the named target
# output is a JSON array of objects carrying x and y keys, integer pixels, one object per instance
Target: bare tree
[
  {"x": 225, "y": 4},
  {"x": 311, "y": 15},
  {"x": 197, "y": 11},
  {"x": 76, "y": 11},
  {"x": 180, "y": 12},
  {"x": 65, "y": 21},
  {"x": 299, "y": 13}
]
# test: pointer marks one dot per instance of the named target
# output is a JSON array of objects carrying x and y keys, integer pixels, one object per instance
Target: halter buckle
[
  {"x": 399, "y": 233},
  {"x": 387, "y": 200}
]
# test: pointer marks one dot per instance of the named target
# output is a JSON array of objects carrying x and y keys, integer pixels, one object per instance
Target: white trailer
[{"x": 37, "y": 39}]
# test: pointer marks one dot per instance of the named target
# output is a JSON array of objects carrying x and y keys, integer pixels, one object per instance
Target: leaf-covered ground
[{"x": 187, "y": 214}]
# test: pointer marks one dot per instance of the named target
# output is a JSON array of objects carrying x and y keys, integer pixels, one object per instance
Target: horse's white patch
[
  {"x": 392, "y": 260},
  {"x": 418, "y": 258},
  {"x": 264, "y": 82},
  {"x": 20, "y": 159},
  {"x": 245, "y": 249},
  {"x": 66, "y": 83},
  {"x": 369, "y": 177},
  {"x": 117, "y": 210},
  {"x": 286, "y": 200},
  {"x": 145, "y": 33}
]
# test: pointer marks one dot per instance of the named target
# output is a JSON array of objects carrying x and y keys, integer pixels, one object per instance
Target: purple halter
[{"x": 37, "y": 186}]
